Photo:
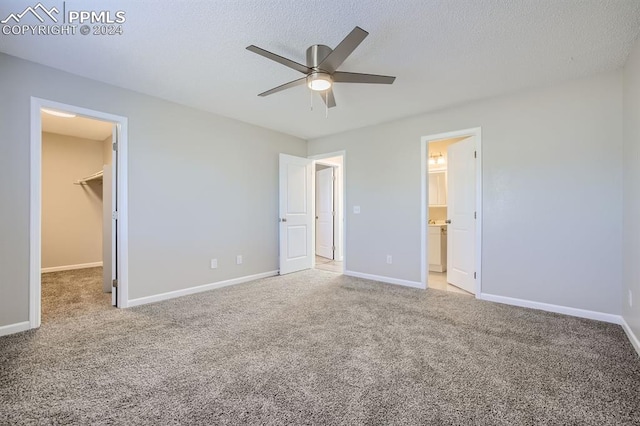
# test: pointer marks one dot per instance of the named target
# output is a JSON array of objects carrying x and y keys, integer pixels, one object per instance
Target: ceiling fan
[{"x": 321, "y": 68}]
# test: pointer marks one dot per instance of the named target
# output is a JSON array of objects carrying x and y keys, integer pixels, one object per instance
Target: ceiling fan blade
[
  {"x": 280, "y": 59},
  {"x": 354, "y": 77},
  {"x": 285, "y": 86},
  {"x": 328, "y": 98},
  {"x": 343, "y": 50}
]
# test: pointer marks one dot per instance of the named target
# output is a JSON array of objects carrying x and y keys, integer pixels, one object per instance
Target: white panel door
[
  {"x": 296, "y": 214},
  {"x": 112, "y": 269},
  {"x": 461, "y": 231},
  {"x": 107, "y": 227},
  {"x": 324, "y": 213}
]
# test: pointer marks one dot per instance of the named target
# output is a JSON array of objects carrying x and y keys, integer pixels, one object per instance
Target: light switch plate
[
  {"x": 214, "y": 263},
  {"x": 356, "y": 209}
]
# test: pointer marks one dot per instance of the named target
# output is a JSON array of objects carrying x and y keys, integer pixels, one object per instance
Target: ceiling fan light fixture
[{"x": 319, "y": 81}]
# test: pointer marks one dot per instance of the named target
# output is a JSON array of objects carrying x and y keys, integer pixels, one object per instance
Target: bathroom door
[{"x": 461, "y": 231}]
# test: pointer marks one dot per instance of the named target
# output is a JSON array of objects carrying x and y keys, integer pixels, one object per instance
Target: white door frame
[
  {"x": 35, "y": 209},
  {"x": 424, "y": 176},
  {"x": 342, "y": 170}
]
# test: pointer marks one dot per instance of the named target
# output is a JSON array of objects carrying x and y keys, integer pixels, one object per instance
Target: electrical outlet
[
  {"x": 239, "y": 259},
  {"x": 214, "y": 263},
  {"x": 389, "y": 259},
  {"x": 630, "y": 298}
]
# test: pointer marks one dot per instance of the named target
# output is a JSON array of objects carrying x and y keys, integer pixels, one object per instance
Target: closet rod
[{"x": 95, "y": 176}]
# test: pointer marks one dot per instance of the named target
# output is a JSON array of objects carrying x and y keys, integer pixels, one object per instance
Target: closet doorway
[{"x": 76, "y": 212}]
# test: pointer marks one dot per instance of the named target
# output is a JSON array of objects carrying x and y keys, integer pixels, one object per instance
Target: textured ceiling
[{"x": 442, "y": 52}]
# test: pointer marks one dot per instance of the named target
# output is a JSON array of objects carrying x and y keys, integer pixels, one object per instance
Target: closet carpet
[
  {"x": 320, "y": 348},
  {"x": 67, "y": 294}
]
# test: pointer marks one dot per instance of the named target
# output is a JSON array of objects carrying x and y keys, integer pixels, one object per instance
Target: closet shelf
[{"x": 96, "y": 176}]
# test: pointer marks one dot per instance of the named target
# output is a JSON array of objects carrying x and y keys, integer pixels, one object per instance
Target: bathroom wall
[
  {"x": 440, "y": 147},
  {"x": 438, "y": 213}
]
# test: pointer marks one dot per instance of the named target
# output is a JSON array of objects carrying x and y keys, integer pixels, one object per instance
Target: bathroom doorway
[{"x": 451, "y": 212}]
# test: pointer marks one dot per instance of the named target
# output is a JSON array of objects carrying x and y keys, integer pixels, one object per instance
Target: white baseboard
[
  {"x": 388, "y": 280},
  {"x": 198, "y": 289},
  {"x": 574, "y": 312},
  {"x": 632, "y": 337},
  {"x": 71, "y": 267},
  {"x": 14, "y": 328}
]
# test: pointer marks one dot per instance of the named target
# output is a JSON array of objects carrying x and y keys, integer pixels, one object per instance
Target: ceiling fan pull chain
[{"x": 311, "y": 98}]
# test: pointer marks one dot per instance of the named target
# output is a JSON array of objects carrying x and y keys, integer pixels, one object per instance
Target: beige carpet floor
[
  {"x": 319, "y": 348},
  {"x": 66, "y": 294}
]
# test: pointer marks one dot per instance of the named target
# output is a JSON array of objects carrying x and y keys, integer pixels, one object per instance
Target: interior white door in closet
[
  {"x": 325, "y": 213},
  {"x": 109, "y": 228},
  {"x": 296, "y": 214},
  {"x": 461, "y": 231}
]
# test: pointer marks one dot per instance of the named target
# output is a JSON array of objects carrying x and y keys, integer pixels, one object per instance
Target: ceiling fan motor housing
[
  {"x": 318, "y": 80},
  {"x": 316, "y": 54}
]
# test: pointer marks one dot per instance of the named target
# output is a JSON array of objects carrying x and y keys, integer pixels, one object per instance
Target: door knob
[
  {"x": 447, "y": 221},
  {"x": 284, "y": 219}
]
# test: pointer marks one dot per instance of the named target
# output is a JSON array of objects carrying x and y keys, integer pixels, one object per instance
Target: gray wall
[
  {"x": 71, "y": 214},
  {"x": 200, "y": 186},
  {"x": 552, "y": 191},
  {"x": 631, "y": 211}
]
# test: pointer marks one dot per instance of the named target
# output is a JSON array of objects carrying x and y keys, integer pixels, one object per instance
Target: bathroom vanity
[{"x": 437, "y": 248}]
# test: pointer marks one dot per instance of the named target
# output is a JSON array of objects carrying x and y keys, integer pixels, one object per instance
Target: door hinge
[
  {"x": 115, "y": 215},
  {"x": 115, "y": 146},
  {"x": 114, "y": 283},
  {"x": 474, "y": 275},
  {"x": 475, "y": 154},
  {"x": 475, "y": 215},
  {"x": 333, "y": 248},
  {"x": 333, "y": 213}
]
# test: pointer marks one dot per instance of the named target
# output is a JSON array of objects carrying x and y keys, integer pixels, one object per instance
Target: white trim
[
  {"x": 35, "y": 215},
  {"x": 71, "y": 267},
  {"x": 342, "y": 173},
  {"x": 631, "y": 335},
  {"x": 566, "y": 310},
  {"x": 35, "y": 209},
  {"x": 198, "y": 289},
  {"x": 424, "y": 217},
  {"x": 383, "y": 279},
  {"x": 327, "y": 155},
  {"x": 14, "y": 328}
]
